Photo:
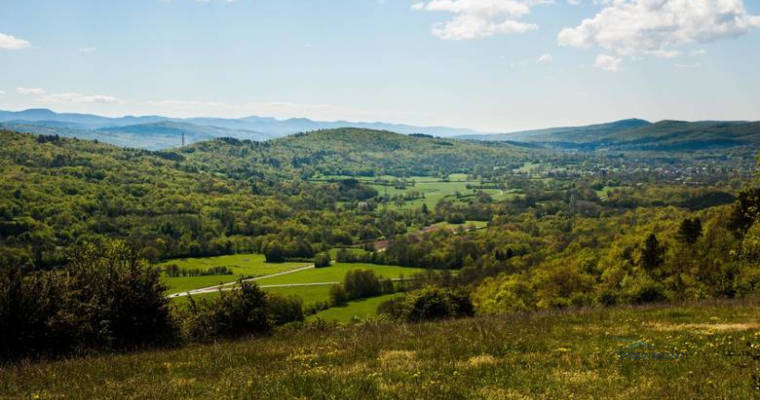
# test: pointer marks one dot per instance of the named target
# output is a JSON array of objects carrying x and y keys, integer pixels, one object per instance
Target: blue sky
[{"x": 493, "y": 65}]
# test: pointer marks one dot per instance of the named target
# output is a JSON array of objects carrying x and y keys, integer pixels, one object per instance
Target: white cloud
[
  {"x": 9, "y": 42},
  {"x": 609, "y": 63},
  {"x": 2, "y": 92},
  {"x": 574, "y": 2},
  {"x": 689, "y": 66},
  {"x": 88, "y": 50},
  {"x": 545, "y": 59},
  {"x": 697, "y": 53},
  {"x": 28, "y": 91},
  {"x": 80, "y": 98},
  {"x": 659, "y": 27},
  {"x": 476, "y": 19}
]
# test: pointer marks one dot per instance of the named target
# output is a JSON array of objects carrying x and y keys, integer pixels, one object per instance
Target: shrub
[
  {"x": 338, "y": 295},
  {"x": 456, "y": 218},
  {"x": 644, "y": 291},
  {"x": 360, "y": 284},
  {"x": 284, "y": 309},
  {"x": 430, "y": 303},
  {"x": 273, "y": 252},
  {"x": 105, "y": 297},
  {"x": 322, "y": 260},
  {"x": 234, "y": 313}
]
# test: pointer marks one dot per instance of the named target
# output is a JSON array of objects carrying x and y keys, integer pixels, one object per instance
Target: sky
[{"x": 490, "y": 65}]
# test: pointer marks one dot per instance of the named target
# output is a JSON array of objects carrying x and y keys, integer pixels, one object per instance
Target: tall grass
[{"x": 557, "y": 355}]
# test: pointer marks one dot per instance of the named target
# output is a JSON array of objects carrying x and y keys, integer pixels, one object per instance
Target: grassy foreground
[{"x": 547, "y": 356}]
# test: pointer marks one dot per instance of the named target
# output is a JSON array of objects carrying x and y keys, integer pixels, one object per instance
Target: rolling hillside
[
  {"x": 574, "y": 134},
  {"x": 358, "y": 152},
  {"x": 680, "y": 135},
  {"x": 639, "y": 135}
]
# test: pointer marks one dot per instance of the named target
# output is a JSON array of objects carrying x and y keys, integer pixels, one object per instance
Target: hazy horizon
[{"x": 491, "y": 66}]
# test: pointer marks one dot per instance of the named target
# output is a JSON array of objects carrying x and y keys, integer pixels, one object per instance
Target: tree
[
  {"x": 322, "y": 260},
  {"x": 273, "y": 252},
  {"x": 430, "y": 303},
  {"x": 233, "y": 314},
  {"x": 284, "y": 309},
  {"x": 360, "y": 284},
  {"x": 338, "y": 296},
  {"x": 690, "y": 230},
  {"x": 746, "y": 211},
  {"x": 653, "y": 254}
]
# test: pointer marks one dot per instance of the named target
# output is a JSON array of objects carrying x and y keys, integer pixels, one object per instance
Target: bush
[
  {"x": 274, "y": 253},
  {"x": 361, "y": 284},
  {"x": 283, "y": 310},
  {"x": 235, "y": 313},
  {"x": 456, "y": 218},
  {"x": 338, "y": 295},
  {"x": 322, "y": 260},
  {"x": 644, "y": 291},
  {"x": 429, "y": 303},
  {"x": 106, "y": 297}
]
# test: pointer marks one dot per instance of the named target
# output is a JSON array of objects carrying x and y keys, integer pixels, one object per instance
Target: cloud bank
[
  {"x": 477, "y": 19},
  {"x": 9, "y": 42},
  {"x": 659, "y": 27}
]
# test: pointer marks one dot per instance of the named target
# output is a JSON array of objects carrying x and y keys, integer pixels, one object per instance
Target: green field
[
  {"x": 433, "y": 188},
  {"x": 361, "y": 309},
  {"x": 336, "y": 272},
  {"x": 435, "y": 191},
  {"x": 246, "y": 265},
  {"x": 554, "y": 355},
  {"x": 309, "y": 294},
  {"x": 466, "y": 225}
]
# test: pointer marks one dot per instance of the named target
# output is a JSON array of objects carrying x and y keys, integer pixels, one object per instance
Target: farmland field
[
  {"x": 323, "y": 277},
  {"x": 435, "y": 191},
  {"x": 245, "y": 265},
  {"x": 337, "y": 271},
  {"x": 361, "y": 309}
]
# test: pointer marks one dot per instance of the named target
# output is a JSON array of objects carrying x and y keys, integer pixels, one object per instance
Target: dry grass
[{"x": 547, "y": 356}]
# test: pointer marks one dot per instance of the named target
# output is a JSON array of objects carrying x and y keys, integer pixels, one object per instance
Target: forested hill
[
  {"x": 213, "y": 197},
  {"x": 572, "y": 134},
  {"x": 639, "y": 135},
  {"x": 680, "y": 135},
  {"x": 360, "y": 152}
]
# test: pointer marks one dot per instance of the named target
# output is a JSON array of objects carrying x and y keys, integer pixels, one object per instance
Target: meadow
[
  {"x": 241, "y": 265},
  {"x": 311, "y": 285},
  {"x": 692, "y": 351},
  {"x": 454, "y": 189},
  {"x": 435, "y": 191},
  {"x": 353, "y": 311},
  {"x": 336, "y": 272}
]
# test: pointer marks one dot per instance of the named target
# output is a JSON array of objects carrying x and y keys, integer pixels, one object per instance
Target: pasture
[
  {"x": 241, "y": 265},
  {"x": 354, "y": 310},
  {"x": 311, "y": 285}
]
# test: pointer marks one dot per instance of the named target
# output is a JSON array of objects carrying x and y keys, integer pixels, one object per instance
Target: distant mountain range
[{"x": 157, "y": 132}]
